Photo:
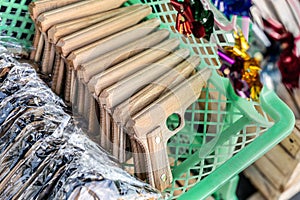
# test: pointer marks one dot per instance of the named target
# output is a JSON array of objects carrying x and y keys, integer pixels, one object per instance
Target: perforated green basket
[
  {"x": 15, "y": 21},
  {"x": 223, "y": 134}
]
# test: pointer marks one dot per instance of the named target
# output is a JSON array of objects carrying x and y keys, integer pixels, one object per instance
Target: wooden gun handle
[
  {"x": 159, "y": 160},
  {"x": 91, "y": 68},
  {"x": 60, "y": 30},
  {"x": 122, "y": 90},
  {"x": 38, "y": 7},
  {"x": 150, "y": 93},
  {"x": 103, "y": 29},
  {"x": 75, "y": 11},
  {"x": 130, "y": 66},
  {"x": 154, "y": 117},
  {"x": 115, "y": 41}
]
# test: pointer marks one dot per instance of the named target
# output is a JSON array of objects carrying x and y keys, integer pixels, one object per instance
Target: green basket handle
[
  {"x": 243, "y": 105},
  {"x": 284, "y": 124}
]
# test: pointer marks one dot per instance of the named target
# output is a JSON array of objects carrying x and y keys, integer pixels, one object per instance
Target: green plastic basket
[
  {"x": 15, "y": 21},
  {"x": 223, "y": 133}
]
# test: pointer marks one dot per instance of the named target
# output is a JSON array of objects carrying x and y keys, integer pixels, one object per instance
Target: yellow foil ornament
[
  {"x": 240, "y": 47},
  {"x": 250, "y": 70},
  {"x": 255, "y": 91}
]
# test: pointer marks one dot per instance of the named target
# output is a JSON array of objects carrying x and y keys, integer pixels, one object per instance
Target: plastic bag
[
  {"x": 43, "y": 154},
  {"x": 88, "y": 174},
  {"x": 14, "y": 46}
]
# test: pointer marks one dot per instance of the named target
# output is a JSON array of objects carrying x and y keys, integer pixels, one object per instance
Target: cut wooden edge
[
  {"x": 261, "y": 183},
  {"x": 75, "y": 10},
  {"x": 133, "y": 105},
  {"x": 282, "y": 161},
  {"x": 103, "y": 29},
  {"x": 38, "y": 7},
  {"x": 97, "y": 83},
  {"x": 114, "y": 95},
  {"x": 89, "y": 69},
  {"x": 265, "y": 187},
  {"x": 77, "y": 57},
  {"x": 54, "y": 33},
  {"x": 292, "y": 143},
  {"x": 271, "y": 172}
]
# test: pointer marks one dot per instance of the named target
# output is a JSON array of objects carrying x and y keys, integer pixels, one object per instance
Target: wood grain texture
[
  {"x": 98, "y": 65},
  {"x": 267, "y": 189},
  {"x": 37, "y": 7},
  {"x": 260, "y": 182},
  {"x": 131, "y": 66},
  {"x": 100, "y": 30},
  {"x": 277, "y": 173},
  {"x": 39, "y": 49},
  {"x": 51, "y": 59},
  {"x": 152, "y": 91},
  {"x": 150, "y": 123},
  {"x": 147, "y": 95},
  {"x": 60, "y": 30},
  {"x": 94, "y": 124},
  {"x": 55, "y": 72},
  {"x": 60, "y": 77},
  {"x": 75, "y": 11},
  {"x": 125, "y": 88},
  {"x": 68, "y": 83},
  {"x": 80, "y": 97},
  {"x": 46, "y": 56},
  {"x": 115, "y": 41},
  {"x": 36, "y": 39}
]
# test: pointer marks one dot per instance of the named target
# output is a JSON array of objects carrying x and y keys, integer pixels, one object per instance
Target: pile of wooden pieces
[
  {"x": 291, "y": 97},
  {"x": 122, "y": 73},
  {"x": 277, "y": 174}
]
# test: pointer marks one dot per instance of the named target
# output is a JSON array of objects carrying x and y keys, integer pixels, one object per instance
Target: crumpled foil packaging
[{"x": 43, "y": 154}]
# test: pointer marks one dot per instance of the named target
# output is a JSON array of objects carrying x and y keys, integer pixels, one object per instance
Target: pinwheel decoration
[{"x": 192, "y": 18}]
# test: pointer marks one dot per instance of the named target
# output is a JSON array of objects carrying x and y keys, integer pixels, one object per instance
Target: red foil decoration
[
  {"x": 289, "y": 62},
  {"x": 185, "y": 21},
  {"x": 289, "y": 65},
  {"x": 183, "y": 26},
  {"x": 185, "y": 18},
  {"x": 199, "y": 30}
]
